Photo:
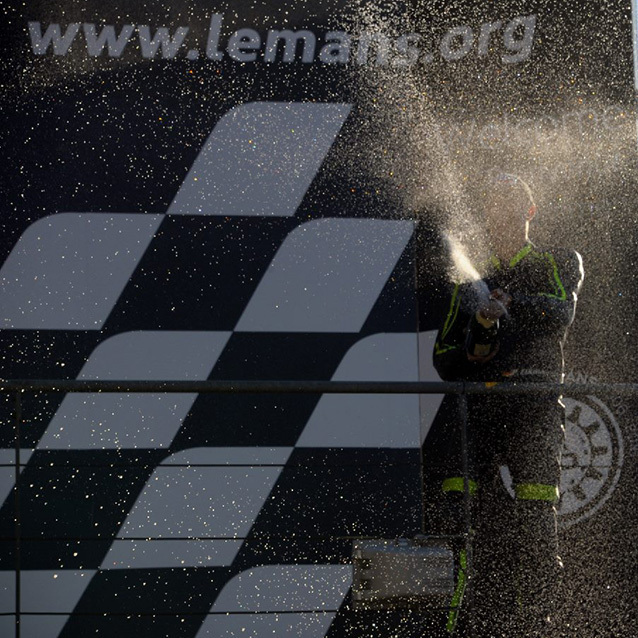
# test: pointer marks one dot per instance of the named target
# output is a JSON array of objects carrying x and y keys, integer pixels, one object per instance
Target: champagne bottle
[{"x": 482, "y": 335}]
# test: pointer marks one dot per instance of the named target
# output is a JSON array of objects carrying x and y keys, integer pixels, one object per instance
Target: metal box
[{"x": 402, "y": 574}]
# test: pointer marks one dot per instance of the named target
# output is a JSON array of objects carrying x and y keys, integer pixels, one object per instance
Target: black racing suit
[{"x": 514, "y": 558}]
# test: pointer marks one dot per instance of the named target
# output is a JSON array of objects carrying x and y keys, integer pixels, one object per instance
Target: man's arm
[
  {"x": 451, "y": 358},
  {"x": 553, "y": 308},
  {"x": 449, "y": 351}
]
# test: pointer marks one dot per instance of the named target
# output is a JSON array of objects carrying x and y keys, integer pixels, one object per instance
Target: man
[{"x": 508, "y": 327}]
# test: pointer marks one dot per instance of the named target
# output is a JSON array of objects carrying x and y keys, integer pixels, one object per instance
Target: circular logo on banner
[{"x": 592, "y": 459}]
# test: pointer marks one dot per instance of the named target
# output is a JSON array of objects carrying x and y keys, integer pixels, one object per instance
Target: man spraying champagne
[{"x": 515, "y": 333}]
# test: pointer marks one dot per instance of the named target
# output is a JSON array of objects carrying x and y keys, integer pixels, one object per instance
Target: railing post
[
  {"x": 467, "y": 507},
  {"x": 18, "y": 515}
]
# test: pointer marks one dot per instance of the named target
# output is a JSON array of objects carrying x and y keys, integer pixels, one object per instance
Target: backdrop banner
[{"x": 200, "y": 190}]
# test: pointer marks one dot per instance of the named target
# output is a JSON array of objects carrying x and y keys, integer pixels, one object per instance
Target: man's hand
[
  {"x": 483, "y": 359},
  {"x": 496, "y": 306},
  {"x": 487, "y": 315}
]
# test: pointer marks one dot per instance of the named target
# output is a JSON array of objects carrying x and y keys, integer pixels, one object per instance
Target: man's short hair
[{"x": 500, "y": 181}]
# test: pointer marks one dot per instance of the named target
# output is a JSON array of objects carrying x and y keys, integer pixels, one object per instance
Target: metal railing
[{"x": 19, "y": 387}]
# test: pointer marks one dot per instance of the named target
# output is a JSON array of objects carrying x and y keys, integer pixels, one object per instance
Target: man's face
[{"x": 505, "y": 211}]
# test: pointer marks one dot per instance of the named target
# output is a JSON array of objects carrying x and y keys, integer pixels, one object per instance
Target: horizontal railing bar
[
  {"x": 264, "y": 537},
  {"x": 178, "y": 614},
  {"x": 70, "y": 465},
  {"x": 314, "y": 387}
]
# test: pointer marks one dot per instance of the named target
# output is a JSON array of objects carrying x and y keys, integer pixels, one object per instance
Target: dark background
[{"x": 113, "y": 135}]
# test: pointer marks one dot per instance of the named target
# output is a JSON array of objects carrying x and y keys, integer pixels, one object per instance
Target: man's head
[{"x": 508, "y": 208}]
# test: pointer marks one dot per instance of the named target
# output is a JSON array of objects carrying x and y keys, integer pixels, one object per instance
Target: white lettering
[
  {"x": 406, "y": 46},
  {"x": 287, "y": 45},
  {"x": 336, "y": 49},
  {"x": 243, "y": 44},
  {"x": 162, "y": 39},
  {"x": 61, "y": 43},
  {"x": 484, "y": 37},
  {"x": 291, "y": 40},
  {"x": 522, "y": 46},
  {"x": 212, "y": 50},
  {"x": 449, "y": 49},
  {"x": 115, "y": 44},
  {"x": 383, "y": 48}
]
